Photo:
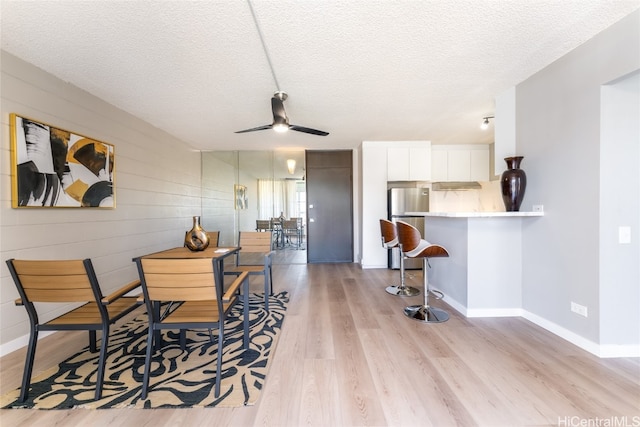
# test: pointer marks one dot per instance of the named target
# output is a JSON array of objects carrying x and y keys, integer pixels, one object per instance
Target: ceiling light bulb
[
  {"x": 280, "y": 127},
  {"x": 485, "y": 122},
  {"x": 291, "y": 166}
]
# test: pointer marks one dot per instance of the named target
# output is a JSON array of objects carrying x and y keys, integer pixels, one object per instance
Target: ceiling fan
[{"x": 280, "y": 119}]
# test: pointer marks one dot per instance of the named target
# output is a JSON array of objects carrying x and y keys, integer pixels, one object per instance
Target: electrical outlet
[
  {"x": 624, "y": 234},
  {"x": 579, "y": 309},
  {"x": 538, "y": 208}
]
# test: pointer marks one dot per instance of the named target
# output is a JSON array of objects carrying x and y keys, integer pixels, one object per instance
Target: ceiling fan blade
[
  {"x": 256, "y": 128},
  {"x": 308, "y": 130}
]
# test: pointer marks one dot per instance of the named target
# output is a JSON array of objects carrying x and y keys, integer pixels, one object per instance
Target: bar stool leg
[
  {"x": 402, "y": 290},
  {"x": 424, "y": 313}
]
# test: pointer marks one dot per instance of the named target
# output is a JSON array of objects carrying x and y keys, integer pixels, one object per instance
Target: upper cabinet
[
  {"x": 459, "y": 163},
  {"x": 409, "y": 161}
]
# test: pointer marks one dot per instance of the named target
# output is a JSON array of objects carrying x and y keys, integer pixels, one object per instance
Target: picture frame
[
  {"x": 57, "y": 168},
  {"x": 240, "y": 192}
]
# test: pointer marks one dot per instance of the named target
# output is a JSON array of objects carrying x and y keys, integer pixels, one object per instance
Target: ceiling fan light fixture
[{"x": 280, "y": 127}]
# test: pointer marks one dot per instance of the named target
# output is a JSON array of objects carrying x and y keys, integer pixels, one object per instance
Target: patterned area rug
[{"x": 178, "y": 378}]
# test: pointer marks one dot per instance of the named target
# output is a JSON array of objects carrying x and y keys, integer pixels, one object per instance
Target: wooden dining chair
[
  {"x": 68, "y": 281},
  {"x": 263, "y": 225},
  {"x": 256, "y": 258},
  {"x": 196, "y": 286},
  {"x": 214, "y": 238},
  {"x": 290, "y": 229}
]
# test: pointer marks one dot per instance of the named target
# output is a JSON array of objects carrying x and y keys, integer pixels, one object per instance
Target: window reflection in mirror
[{"x": 271, "y": 182}]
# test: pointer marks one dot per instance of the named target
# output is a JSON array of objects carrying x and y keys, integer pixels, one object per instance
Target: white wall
[
  {"x": 157, "y": 180},
  {"x": 505, "y": 129},
  {"x": 620, "y": 206},
  {"x": 559, "y": 133}
]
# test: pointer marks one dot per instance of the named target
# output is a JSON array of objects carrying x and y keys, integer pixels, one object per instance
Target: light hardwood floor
[{"x": 347, "y": 356}]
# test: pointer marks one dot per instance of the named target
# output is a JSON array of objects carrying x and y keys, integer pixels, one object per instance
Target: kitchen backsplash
[{"x": 488, "y": 199}]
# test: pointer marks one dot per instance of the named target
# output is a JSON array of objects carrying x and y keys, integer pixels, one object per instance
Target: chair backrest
[
  {"x": 263, "y": 224},
  {"x": 55, "y": 280},
  {"x": 408, "y": 236},
  {"x": 214, "y": 238},
  {"x": 290, "y": 224},
  {"x": 389, "y": 233},
  {"x": 187, "y": 279},
  {"x": 254, "y": 241}
]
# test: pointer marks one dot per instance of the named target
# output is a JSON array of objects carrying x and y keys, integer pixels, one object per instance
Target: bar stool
[
  {"x": 389, "y": 241},
  {"x": 416, "y": 247}
]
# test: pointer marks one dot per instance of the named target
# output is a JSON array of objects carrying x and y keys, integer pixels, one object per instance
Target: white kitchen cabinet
[
  {"x": 398, "y": 164},
  {"x": 407, "y": 163},
  {"x": 460, "y": 163},
  {"x": 480, "y": 165},
  {"x": 439, "y": 165}
]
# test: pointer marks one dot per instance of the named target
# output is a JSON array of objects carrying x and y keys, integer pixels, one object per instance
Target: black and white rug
[{"x": 178, "y": 378}]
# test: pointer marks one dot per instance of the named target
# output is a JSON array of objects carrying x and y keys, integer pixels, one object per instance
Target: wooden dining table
[{"x": 216, "y": 254}]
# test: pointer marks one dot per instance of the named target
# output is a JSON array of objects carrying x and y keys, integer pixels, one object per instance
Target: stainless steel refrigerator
[{"x": 399, "y": 201}]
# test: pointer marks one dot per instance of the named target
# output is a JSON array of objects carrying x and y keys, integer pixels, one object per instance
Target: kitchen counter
[
  {"x": 475, "y": 214},
  {"x": 483, "y": 275}
]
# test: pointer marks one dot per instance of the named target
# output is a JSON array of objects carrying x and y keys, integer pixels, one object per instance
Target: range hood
[{"x": 455, "y": 185}]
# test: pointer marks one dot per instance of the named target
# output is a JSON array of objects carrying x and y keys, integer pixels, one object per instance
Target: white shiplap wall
[{"x": 157, "y": 179}]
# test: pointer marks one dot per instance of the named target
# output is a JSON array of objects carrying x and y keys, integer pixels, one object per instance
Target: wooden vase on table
[{"x": 196, "y": 239}]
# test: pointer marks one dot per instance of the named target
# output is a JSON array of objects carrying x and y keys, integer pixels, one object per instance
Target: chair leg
[
  {"x": 402, "y": 290},
  {"x": 28, "y": 364},
  {"x": 92, "y": 342},
  {"x": 245, "y": 312},
  {"x": 219, "y": 358},
  {"x": 270, "y": 281},
  {"x": 267, "y": 286},
  {"x": 425, "y": 313},
  {"x": 147, "y": 364},
  {"x": 102, "y": 359},
  {"x": 183, "y": 339}
]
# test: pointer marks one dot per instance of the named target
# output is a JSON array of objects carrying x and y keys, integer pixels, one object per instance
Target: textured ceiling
[{"x": 361, "y": 70}]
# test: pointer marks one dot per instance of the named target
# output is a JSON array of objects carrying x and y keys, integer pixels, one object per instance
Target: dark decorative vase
[
  {"x": 513, "y": 184},
  {"x": 196, "y": 239}
]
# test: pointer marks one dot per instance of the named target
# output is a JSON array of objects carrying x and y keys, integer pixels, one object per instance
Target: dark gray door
[{"x": 330, "y": 207}]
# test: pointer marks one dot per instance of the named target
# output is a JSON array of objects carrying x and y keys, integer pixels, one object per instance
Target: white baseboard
[
  {"x": 369, "y": 266},
  {"x": 563, "y": 333},
  {"x": 602, "y": 351},
  {"x": 482, "y": 312},
  {"x": 20, "y": 342},
  {"x": 495, "y": 312},
  {"x": 455, "y": 305},
  {"x": 612, "y": 350}
]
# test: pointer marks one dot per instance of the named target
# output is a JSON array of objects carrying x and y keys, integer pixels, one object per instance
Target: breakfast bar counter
[{"x": 483, "y": 274}]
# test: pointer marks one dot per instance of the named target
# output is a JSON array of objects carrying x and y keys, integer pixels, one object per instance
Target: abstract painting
[
  {"x": 240, "y": 196},
  {"x": 52, "y": 167}
]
